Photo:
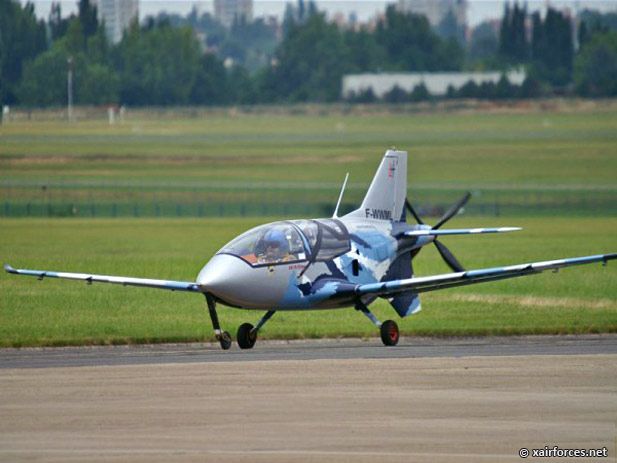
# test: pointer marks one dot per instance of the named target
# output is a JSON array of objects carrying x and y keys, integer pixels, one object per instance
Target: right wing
[
  {"x": 126, "y": 281},
  {"x": 450, "y": 280}
]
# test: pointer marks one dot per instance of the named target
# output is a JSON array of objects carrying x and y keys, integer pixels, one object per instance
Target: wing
[
  {"x": 450, "y": 280},
  {"x": 126, "y": 281}
]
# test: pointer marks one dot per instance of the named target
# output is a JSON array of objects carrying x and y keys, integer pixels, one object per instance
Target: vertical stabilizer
[{"x": 385, "y": 198}]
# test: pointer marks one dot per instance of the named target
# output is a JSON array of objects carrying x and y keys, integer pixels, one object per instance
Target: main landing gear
[
  {"x": 247, "y": 333},
  {"x": 388, "y": 329}
]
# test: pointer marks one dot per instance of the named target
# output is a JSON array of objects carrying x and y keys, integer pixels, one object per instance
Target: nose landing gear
[
  {"x": 247, "y": 333},
  {"x": 223, "y": 337}
]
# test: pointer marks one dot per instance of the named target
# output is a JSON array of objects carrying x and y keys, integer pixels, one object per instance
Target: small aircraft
[{"x": 335, "y": 262}]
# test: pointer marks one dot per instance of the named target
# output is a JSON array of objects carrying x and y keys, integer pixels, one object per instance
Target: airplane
[{"x": 334, "y": 263}]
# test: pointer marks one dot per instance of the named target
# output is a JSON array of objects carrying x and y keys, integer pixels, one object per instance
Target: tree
[
  {"x": 449, "y": 28},
  {"x": 469, "y": 90},
  {"x": 420, "y": 93},
  {"x": 484, "y": 42},
  {"x": 97, "y": 84},
  {"x": 365, "y": 54},
  {"x": 552, "y": 48},
  {"x": 56, "y": 23},
  {"x": 311, "y": 62},
  {"x": 255, "y": 43},
  {"x": 44, "y": 81},
  {"x": 210, "y": 87},
  {"x": 596, "y": 66},
  {"x": 364, "y": 96},
  {"x": 88, "y": 18},
  {"x": 241, "y": 86},
  {"x": 396, "y": 95},
  {"x": 513, "y": 44},
  {"x": 598, "y": 22},
  {"x": 158, "y": 66},
  {"x": 411, "y": 45},
  {"x": 504, "y": 90},
  {"x": 21, "y": 39}
]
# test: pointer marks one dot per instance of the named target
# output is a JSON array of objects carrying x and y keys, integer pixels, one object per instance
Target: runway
[
  {"x": 438, "y": 400},
  {"x": 309, "y": 350}
]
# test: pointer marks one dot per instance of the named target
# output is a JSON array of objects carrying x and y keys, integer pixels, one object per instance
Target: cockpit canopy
[{"x": 291, "y": 241}]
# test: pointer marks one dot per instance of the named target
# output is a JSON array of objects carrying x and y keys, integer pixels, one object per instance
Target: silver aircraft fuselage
[{"x": 361, "y": 253}]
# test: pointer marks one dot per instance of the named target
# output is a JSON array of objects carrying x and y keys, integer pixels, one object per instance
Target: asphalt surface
[
  {"x": 437, "y": 400},
  {"x": 308, "y": 350}
]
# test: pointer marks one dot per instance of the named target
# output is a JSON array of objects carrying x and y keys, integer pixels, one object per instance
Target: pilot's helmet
[{"x": 276, "y": 238}]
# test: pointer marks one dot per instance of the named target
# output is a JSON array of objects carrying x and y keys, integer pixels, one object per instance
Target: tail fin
[{"x": 385, "y": 198}]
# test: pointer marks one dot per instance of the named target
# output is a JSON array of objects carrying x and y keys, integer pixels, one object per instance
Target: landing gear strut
[
  {"x": 247, "y": 333},
  {"x": 388, "y": 329},
  {"x": 223, "y": 337}
]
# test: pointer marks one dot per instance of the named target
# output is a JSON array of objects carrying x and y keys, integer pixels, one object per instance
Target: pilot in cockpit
[{"x": 276, "y": 248}]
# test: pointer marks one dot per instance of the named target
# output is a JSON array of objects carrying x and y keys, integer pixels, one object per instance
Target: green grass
[
  {"x": 550, "y": 161},
  {"x": 59, "y": 312},
  {"x": 562, "y": 160},
  {"x": 446, "y": 149}
]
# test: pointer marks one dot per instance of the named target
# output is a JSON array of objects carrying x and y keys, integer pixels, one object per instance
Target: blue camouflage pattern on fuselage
[{"x": 374, "y": 245}]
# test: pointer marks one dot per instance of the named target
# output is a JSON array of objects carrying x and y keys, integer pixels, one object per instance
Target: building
[
  {"x": 435, "y": 10},
  {"x": 228, "y": 11},
  {"x": 117, "y": 16},
  {"x": 436, "y": 83}
]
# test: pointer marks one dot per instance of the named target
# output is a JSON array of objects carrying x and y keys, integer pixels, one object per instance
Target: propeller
[{"x": 444, "y": 252}]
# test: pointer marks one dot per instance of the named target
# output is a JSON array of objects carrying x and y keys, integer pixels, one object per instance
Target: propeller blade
[
  {"x": 413, "y": 212},
  {"x": 453, "y": 210},
  {"x": 448, "y": 257}
]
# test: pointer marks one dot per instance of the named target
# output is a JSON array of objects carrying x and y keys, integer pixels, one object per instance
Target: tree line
[{"x": 162, "y": 61}]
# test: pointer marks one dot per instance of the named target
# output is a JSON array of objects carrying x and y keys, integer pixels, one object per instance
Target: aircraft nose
[
  {"x": 235, "y": 282},
  {"x": 221, "y": 275}
]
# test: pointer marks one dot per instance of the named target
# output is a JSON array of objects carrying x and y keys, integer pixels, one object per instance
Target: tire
[
  {"x": 225, "y": 340},
  {"x": 389, "y": 333},
  {"x": 246, "y": 339}
]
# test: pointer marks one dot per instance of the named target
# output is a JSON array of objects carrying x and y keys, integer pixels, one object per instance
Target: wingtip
[{"x": 9, "y": 269}]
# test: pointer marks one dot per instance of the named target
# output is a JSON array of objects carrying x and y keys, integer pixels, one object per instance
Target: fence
[{"x": 22, "y": 198}]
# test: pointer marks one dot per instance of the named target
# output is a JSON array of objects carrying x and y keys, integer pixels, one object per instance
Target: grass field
[
  {"x": 546, "y": 156},
  {"x": 59, "y": 312},
  {"x": 536, "y": 149},
  {"x": 515, "y": 163}
]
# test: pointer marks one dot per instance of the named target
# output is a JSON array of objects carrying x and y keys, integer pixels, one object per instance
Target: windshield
[
  {"x": 273, "y": 243},
  {"x": 333, "y": 239},
  {"x": 293, "y": 241}
]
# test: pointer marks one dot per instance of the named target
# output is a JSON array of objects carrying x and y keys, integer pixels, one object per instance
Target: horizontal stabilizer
[
  {"x": 126, "y": 281},
  {"x": 460, "y": 231}
]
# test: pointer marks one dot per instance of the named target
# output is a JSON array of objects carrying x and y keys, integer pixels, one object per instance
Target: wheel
[
  {"x": 246, "y": 339},
  {"x": 225, "y": 340},
  {"x": 389, "y": 333}
]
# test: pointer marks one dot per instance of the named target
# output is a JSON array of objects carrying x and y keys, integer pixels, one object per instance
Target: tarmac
[{"x": 480, "y": 400}]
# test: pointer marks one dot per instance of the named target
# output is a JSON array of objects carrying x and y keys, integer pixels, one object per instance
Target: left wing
[
  {"x": 126, "y": 281},
  {"x": 450, "y": 280}
]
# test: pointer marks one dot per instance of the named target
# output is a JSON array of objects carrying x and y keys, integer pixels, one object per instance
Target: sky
[{"x": 478, "y": 11}]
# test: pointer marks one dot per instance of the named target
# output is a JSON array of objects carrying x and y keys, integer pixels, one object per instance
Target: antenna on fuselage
[{"x": 338, "y": 203}]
